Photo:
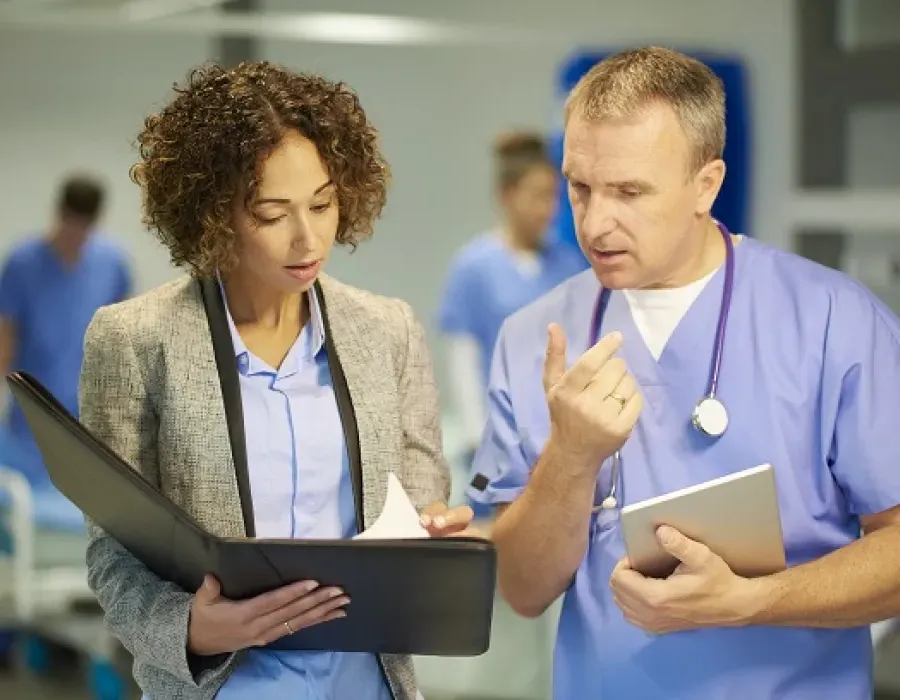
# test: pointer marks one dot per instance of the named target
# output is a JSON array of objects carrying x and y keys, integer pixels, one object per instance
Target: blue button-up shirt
[{"x": 301, "y": 487}]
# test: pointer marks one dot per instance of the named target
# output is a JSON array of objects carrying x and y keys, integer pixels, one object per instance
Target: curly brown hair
[{"x": 206, "y": 146}]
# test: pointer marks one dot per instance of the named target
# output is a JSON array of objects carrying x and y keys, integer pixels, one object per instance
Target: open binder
[{"x": 417, "y": 596}]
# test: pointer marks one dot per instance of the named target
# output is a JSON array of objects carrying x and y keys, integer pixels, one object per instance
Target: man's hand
[
  {"x": 594, "y": 404},
  {"x": 702, "y": 592}
]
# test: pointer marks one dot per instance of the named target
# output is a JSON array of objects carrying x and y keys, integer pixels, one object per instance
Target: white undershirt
[{"x": 657, "y": 312}]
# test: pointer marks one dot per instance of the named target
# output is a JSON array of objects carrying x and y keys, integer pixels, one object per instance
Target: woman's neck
[{"x": 252, "y": 303}]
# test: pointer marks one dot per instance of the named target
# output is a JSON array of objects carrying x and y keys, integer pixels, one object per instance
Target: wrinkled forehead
[{"x": 648, "y": 144}]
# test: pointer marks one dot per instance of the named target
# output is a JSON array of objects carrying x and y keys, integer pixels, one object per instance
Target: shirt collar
[{"x": 311, "y": 340}]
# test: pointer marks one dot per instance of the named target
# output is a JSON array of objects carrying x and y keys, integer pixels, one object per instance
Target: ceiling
[{"x": 246, "y": 18}]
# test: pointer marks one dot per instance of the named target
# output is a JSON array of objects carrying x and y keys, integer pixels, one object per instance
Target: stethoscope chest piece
[
  {"x": 609, "y": 503},
  {"x": 710, "y": 417}
]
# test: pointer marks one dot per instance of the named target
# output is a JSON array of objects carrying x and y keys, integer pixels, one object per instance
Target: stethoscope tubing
[{"x": 715, "y": 363}]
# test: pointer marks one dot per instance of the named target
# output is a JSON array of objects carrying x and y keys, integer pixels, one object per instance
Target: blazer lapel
[
  {"x": 229, "y": 383},
  {"x": 359, "y": 362},
  {"x": 346, "y": 411},
  {"x": 193, "y": 371}
]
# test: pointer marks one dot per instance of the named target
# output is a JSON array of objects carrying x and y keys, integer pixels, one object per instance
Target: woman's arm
[
  {"x": 426, "y": 474},
  {"x": 148, "y": 616}
]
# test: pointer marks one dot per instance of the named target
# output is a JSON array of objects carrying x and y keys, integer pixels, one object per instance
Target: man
[
  {"x": 809, "y": 375},
  {"x": 50, "y": 287}
]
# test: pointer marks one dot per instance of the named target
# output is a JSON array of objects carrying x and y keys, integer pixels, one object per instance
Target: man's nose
[{"x": 599, "y": 219}]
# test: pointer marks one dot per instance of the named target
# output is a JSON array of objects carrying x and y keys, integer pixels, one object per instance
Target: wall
[
  {"x": 78, "y": 99},
  {"x": 848, "y": 140}
]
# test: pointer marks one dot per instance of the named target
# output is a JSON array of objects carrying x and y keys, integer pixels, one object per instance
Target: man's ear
[{"x": 709, "y": 181}]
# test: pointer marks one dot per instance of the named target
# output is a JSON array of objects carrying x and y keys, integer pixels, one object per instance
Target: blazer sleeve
[
  {"x": 427, "y": 475},
  {"x": 147, "y": 615}
]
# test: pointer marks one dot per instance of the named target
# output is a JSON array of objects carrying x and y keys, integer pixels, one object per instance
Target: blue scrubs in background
[
  {"x": 50, "y": 304},
  {"x": 488, "y": 282},
  {"x": 810, "y": 376}
]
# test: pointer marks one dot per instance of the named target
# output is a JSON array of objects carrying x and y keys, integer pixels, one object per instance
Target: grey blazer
[{"x": 150, "y": 389}]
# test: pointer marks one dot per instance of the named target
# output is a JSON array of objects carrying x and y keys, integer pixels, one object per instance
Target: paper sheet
[{"x": 399, "y": 518}]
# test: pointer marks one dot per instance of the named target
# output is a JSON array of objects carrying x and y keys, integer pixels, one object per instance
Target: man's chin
[{"x": 617, "y": 279}]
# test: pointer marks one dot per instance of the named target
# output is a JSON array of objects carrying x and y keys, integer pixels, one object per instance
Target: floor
[
  {"x": 69, "y": 680},
  {"x": 67, "y": 675}
]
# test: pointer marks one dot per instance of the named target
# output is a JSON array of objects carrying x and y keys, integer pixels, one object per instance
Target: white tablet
[{"x": 736, "y": 516}]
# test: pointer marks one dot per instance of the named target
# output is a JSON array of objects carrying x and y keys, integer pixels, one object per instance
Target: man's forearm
[
  {"x": 542, "y": 537},
  {"x": 856, "y": 585}
]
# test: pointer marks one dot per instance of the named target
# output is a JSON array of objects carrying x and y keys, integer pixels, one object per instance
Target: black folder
[{"x": 417, "y": 596}]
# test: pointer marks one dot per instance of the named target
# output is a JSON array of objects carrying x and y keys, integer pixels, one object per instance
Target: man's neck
[
  {"x": 68, "y": 250},
  {"x": 705, "y": 259},
  {"x": 519, "y": 243}
]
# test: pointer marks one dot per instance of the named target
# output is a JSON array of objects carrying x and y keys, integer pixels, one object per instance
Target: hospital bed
[{"x": 44, "y": 596}]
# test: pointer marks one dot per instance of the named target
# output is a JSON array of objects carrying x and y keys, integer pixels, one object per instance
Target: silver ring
[
  {"x": 621, "y": 399},
  {"x": 287, "y": 626}
]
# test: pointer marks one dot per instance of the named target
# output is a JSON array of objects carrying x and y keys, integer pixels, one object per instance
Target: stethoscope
[{"x": 710, "y": 416}]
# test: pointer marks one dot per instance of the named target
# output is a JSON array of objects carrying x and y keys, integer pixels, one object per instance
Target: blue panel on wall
[{"x": 733, "y": 203}]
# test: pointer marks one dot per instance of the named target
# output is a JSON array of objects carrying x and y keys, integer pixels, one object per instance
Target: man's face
[
  {"x": 635, "y": 203},
  {"x": 75, "y": 228},
  {"x": 531, "y": 202}
]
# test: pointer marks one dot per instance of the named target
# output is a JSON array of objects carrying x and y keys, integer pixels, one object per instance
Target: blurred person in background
[
  {"x": 250, "y": 177},
  {"x": 51, "y": 285},
  {"x": 501, "y": 271}
]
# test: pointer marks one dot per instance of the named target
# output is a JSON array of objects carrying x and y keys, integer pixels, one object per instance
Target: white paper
[{"x": 399, "y": 518}]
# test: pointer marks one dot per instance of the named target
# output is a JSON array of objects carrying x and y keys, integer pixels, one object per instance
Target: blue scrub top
[
  {"x": 487, "y": 283},
  {"x": 50, "y": 304},
  {"x": 810, "y": 374}
]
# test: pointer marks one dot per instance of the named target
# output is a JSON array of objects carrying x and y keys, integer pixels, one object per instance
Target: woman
[
  {"x": 503, "y": 270},
  {"x": 233, "y": 389}
]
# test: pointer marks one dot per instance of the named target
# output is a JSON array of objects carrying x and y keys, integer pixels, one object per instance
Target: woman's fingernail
[
  {"x": 440, "y": 522},
  {"x": 425, "y": 520}
]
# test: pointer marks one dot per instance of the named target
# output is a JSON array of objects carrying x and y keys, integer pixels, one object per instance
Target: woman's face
[
  {"x": 289, "y": 230},
  {"x": 530, "y": 204}
]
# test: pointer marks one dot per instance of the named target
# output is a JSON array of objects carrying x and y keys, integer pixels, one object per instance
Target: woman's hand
[
  {"x": 219, "y": 625},
  {"x": 441, "y": 521}
]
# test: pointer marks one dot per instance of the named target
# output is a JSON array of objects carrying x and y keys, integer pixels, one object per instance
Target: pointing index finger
[{"x": 582, "y": 372}]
